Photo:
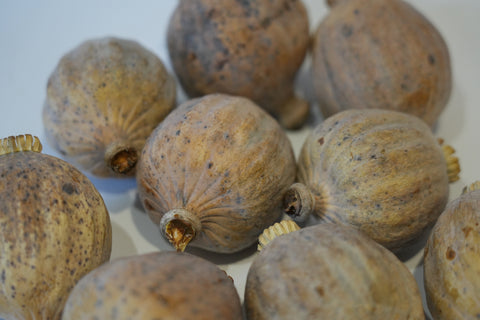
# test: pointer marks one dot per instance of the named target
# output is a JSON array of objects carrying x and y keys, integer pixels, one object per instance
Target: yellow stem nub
[
  {"x": 179, "y": 233},
  {"x": 20, "y": 143},
  {"x": 276, "y": 230},
  {"x": 453, "y": 165},
  {"x": 472, "y": 187}
]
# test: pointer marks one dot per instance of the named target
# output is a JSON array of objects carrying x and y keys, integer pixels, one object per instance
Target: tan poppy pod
[
  {"x": 381, "y": 171},
  {"x": 329, "y": 271},
  {"x": 104, "y": 98},
  {"x": 247, "y": 48},
  {"x": 452, "y": 259},
  {"x": 159, "y": 285},
  {"x": 54, "y": 229},
  {"x": 213, "y": 173},
  {"x": 380, "y": 54}
]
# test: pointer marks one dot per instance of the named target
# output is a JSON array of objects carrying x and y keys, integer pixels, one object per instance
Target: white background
[{"x": 35, "y": 34}]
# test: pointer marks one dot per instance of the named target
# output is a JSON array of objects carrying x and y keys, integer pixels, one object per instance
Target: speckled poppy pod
[
  {"x": 54, "y": 228},
  {"x": 104, "y": 98},
  {"x": 212, "y": 175},
  {"x": 380, "y": 54},
  {"x": 247, "y": 48},
  {"x": 160, "y": 285},
  {"x": 452, "y": 259},
  {"x": 381, "y": 171},
  {"x": 328, "y": 271}
]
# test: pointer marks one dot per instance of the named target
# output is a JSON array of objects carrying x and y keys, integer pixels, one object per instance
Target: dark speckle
[
  {"x": 265, "y": 23},
  {"x": 320, "y": 291},
  {"x": 68, "y": 188},
  {"x": 431, "y": 59},
  {"x": 467, "y": 231},
  {"x": 450, "y": 254},
  {"x": 210, "y": 165},
  {"x": 177, "y": 133},
  {"x": 321, "y": 141},
  {"x": 347, "y": 30}
]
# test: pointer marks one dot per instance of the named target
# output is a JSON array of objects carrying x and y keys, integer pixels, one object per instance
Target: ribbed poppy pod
[
  {"x": 104, "y": 98},
  {"x": 381, "y": 54},
  {"x": 54, "y": 228},
  {"x": 452, "y": 259},
  {"x": 328, "y": 271},
  {"x": 214, "y": 172},
  {"x": 159, "y": 285},
  {"x": 246, "y": 48},
  {"x": 381, "y": 171}
]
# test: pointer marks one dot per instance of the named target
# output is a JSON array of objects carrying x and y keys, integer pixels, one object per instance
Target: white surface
[{"x": 35, "y": 34}]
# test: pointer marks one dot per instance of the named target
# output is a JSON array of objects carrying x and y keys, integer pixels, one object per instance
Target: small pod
[
  {"x": 104, "y": 98},
  {"x": 380, "y": 171},
  {"x": 329, "y": 271},
  {"x": 247, "y": 48},
  {"x": 54, "y": 229},
  {"x": 452, "y": 259},
  {"x": 214, "y": 172},
  {"x": 380, "y": 54},
  {"x": 161, "y": 285}
]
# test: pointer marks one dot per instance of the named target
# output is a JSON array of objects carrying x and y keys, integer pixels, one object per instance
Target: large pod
[
  {"x": 54, "y": 228},
  {"x": 104, "y": 98},
  {"x": 214, "y": 172},
  {"x": 381, "y": 171},
  {"x": 452, "y": 259},
  {"x": 380, "y": 54},
  {"x": 329, "y": 272},
  {"x": 247, "y": 48},
  {"x": 160, "y": 285}
]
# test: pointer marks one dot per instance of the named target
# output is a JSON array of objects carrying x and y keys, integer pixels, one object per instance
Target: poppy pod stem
[
  {"x": 298, "y": 202},
  {"x": 179, "y": 227},
  {"x": 121, "y": 158}
]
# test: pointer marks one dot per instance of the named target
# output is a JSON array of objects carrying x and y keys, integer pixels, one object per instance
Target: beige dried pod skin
[
  {"x": 160, "y": 285},
  {"x": 381, "y": 171},
  {"x": 381, "y": 54},
  {"x": 212, "y": 175},
  {"x": 54, "y": 228},
  {"x": 104, "y": 98},
  {"x": 246, "y": 48},
  {"x": 452, "y": 259},
  {"x": 329, "y": 271}
]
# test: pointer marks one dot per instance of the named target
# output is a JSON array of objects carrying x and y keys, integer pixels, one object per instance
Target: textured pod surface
[
  {"x": 380, "y": 54},
  {"x": 452, "y": 260},
  {"x": 54, "y": 228},
  {"x": 103, "y": 100},
  {"x": 378, "y": 170},
  {"x": 223, "y": 160},
  {"x": 329, "y": 272},
  {"x": 247, "y": 48},
  {"x": 163, "y": 285}
]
